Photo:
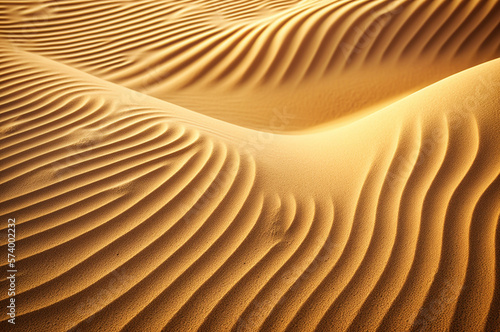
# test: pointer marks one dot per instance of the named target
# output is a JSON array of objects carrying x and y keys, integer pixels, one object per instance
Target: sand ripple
[{"x": 137, "y": 214}]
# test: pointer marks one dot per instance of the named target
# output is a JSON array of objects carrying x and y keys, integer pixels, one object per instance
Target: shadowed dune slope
[{"x": 177, "y": 202}]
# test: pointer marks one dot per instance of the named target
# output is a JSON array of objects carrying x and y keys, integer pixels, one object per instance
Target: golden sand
[{"x": 251, "y": 165}]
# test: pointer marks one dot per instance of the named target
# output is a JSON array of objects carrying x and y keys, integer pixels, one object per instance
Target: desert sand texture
[{"x": 250, "y": 165}]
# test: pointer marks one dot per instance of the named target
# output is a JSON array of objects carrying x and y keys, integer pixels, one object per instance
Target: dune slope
[
  {"x": 136, "y": 213},
  {"x": 215, "y": 57}
]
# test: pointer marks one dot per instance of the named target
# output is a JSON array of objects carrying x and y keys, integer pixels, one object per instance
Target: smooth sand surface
[{"x": 251, "y": 165}]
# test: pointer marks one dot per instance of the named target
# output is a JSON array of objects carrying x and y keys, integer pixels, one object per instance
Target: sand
[{"x": 251, "y": 165}]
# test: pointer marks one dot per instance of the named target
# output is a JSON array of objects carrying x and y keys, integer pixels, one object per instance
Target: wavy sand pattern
[{"x": 251, "y": 165}]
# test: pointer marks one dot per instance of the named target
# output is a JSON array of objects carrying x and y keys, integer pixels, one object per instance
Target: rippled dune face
[{"x": 250, "y": 165}]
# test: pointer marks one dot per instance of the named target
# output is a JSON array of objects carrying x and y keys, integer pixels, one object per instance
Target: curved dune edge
[{"x": 143, "y": 215}]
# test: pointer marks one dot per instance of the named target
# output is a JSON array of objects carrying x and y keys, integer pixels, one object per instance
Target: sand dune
[
  {"x": 217, "y": 56},
  {"x": 251, "y": 165}
]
